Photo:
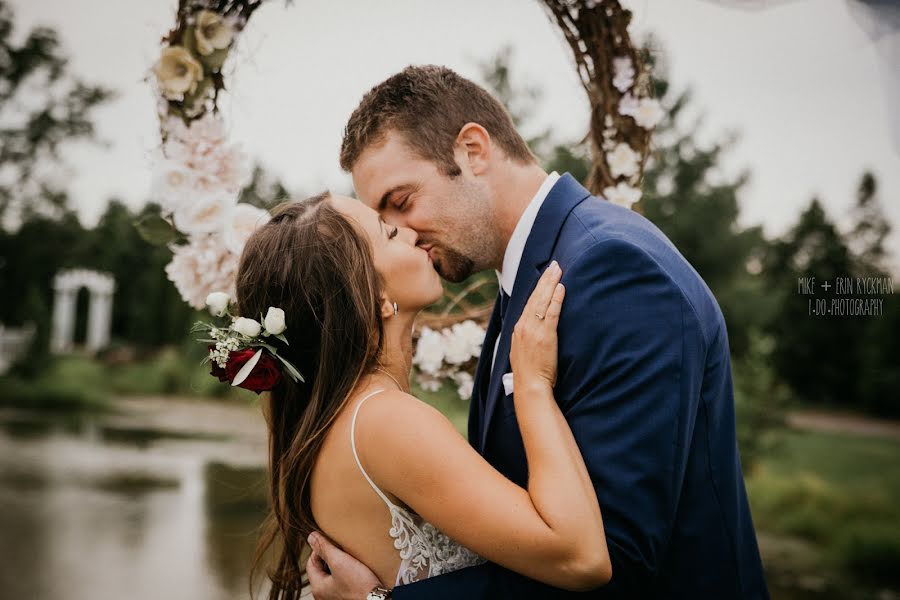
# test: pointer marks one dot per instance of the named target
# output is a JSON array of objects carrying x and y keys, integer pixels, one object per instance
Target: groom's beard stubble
[{"x": 453, "y": 266}]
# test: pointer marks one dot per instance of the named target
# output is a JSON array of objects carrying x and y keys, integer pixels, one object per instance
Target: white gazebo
[{"x": 101, "y": 287}]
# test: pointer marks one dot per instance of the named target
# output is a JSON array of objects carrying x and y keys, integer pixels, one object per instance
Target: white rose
[
  {"x": 245, "y": 326},
  {"x": 217, "y": 302},
  {"x": 429, "y": 351},
  {"x": 622, "y": 195},
  {"x": 177, "y": 72},
  {"x": 240, "y": 223},
  {"x": 623, "y": 73},
  {"x": 646, "y": 112},
  {"x": 473, "y": 334},
  {"x": 649, "y": 113},
  {"x": 212, "y": 32},
  {"x": 203, "y": 213},
  {"x": 623, "y": 161},
  {"x": 456, "y": 347},
  {"x": 274, "y": 321}
]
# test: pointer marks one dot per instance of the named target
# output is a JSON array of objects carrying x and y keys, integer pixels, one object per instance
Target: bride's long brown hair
[{"x": 316, "y": 265}]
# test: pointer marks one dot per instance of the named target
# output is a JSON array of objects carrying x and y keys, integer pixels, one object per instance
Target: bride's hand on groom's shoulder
[{"x": 533, "y": 355}]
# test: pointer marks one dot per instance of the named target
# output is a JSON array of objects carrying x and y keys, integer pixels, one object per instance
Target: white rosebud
[
  {"x": 274, "y": 321},
  {"x": 217, "y": 302},
  {"x": 240, "y": 223},
  {"x": 623, "y": 161},
  {"x": 247, "y": 327},
  {"x": 177, "y": 72},
  {"x": 622, "y": 195},
  {"x": 212, "y": 32}
]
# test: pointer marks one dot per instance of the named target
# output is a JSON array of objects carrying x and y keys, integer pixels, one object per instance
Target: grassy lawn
[
  {"x": 81, "y": 382},
  {"x": 839, "y": 494},
  {"x": 448, "y": 402}
]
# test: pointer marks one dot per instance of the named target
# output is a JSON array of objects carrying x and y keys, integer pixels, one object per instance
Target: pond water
[
  {"x": 163, "y": 502},
  {"x": 163, "y": 499}
]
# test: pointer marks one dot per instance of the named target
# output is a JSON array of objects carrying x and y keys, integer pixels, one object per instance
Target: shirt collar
[{"x": 516, "y": 246}]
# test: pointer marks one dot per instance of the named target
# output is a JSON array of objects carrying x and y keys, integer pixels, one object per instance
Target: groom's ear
[{"x": 473, "y": 147}]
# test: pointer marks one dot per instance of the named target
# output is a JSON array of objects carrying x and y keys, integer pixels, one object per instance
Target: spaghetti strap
[{"x": 356, "y": 456}]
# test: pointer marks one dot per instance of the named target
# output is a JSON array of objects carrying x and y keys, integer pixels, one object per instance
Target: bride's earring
[{"x": 396, "y": 310}]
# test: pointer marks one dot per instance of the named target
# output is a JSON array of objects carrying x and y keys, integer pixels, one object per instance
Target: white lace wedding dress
[{"x": 424, "y": 550}]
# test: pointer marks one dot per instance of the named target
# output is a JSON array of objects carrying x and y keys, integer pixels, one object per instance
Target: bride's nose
[{"x": 409, "y": 235}]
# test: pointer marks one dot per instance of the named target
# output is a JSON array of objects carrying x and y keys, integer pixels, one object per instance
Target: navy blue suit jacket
[{"x": 645, "y": 383}]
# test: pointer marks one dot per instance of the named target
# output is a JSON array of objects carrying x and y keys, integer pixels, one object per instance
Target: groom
[{"x": 644, "y": 371}]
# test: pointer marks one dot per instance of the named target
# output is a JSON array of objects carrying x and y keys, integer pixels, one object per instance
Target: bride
[{"x": 387, "y": 477}]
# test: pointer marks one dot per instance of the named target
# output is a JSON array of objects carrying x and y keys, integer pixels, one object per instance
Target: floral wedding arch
[{"x": 201, "y": 173}]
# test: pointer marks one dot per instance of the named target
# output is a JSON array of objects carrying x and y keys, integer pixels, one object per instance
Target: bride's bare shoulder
[
  {"x": 396, "y": 407},
  {"x": 394, "y": 419}
]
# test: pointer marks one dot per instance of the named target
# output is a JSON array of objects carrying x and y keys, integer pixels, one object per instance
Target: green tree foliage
[
  {"x": 42, "y": 106},
  {"x": 265, "y": 190},
  {"x": 832, "y": 359},
  {"x": 147, "y": 310},
  {"x": 698, "y": 208}
]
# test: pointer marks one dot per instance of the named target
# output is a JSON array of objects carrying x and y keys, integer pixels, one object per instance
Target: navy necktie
[{"x": 504, "y": 304}]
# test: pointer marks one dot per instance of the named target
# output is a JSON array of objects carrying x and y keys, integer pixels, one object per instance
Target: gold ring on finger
[{"x": 539, "y": 316}]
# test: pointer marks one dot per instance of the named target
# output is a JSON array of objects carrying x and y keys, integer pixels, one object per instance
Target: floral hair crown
[{"x": 240, "y": 352}]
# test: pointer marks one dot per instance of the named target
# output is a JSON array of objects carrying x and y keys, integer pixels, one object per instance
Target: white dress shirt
[{"x": 516, "y": 246}]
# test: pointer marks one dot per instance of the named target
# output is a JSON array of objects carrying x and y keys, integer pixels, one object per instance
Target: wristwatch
[{"x": 379, "y": 593}]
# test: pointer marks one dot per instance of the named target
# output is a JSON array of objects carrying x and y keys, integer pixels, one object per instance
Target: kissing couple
[{"x": 601, "y": 459}]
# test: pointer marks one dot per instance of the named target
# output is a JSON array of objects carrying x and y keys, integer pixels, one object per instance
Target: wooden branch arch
[{"x": 596, "y": 32}]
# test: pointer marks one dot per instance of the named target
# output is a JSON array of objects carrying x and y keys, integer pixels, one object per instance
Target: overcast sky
[{"x": 800, "y": 82}]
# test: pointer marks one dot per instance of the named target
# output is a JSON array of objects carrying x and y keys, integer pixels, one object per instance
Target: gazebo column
[
  {"x": 63, "y": 320},
  {"x": 99, "y": 320}
]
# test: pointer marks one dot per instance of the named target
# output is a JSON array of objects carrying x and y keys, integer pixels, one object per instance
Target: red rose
[{"x": 264, "y": 376}]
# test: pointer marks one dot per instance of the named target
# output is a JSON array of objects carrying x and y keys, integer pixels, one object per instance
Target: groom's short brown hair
[{"x": 428, "y": 105}]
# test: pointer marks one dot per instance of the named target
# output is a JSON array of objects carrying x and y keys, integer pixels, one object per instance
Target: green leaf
[
  {"x": 281, "y": 337},
  {"x": 156, "y": 230},
  {"x": 292, "y": 370}
]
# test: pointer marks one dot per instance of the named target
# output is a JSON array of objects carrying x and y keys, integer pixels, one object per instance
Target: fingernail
[
  {"x": 311, "y": 539},
  {"x": 553, "y": 266}
]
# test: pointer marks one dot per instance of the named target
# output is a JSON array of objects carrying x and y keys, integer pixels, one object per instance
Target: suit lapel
[
  {"x": 563, "y": 197},
  {"x": 482, "y": 375}
]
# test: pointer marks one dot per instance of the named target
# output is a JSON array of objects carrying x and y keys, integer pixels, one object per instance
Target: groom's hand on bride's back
[{"x": 334, "y": 574}]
